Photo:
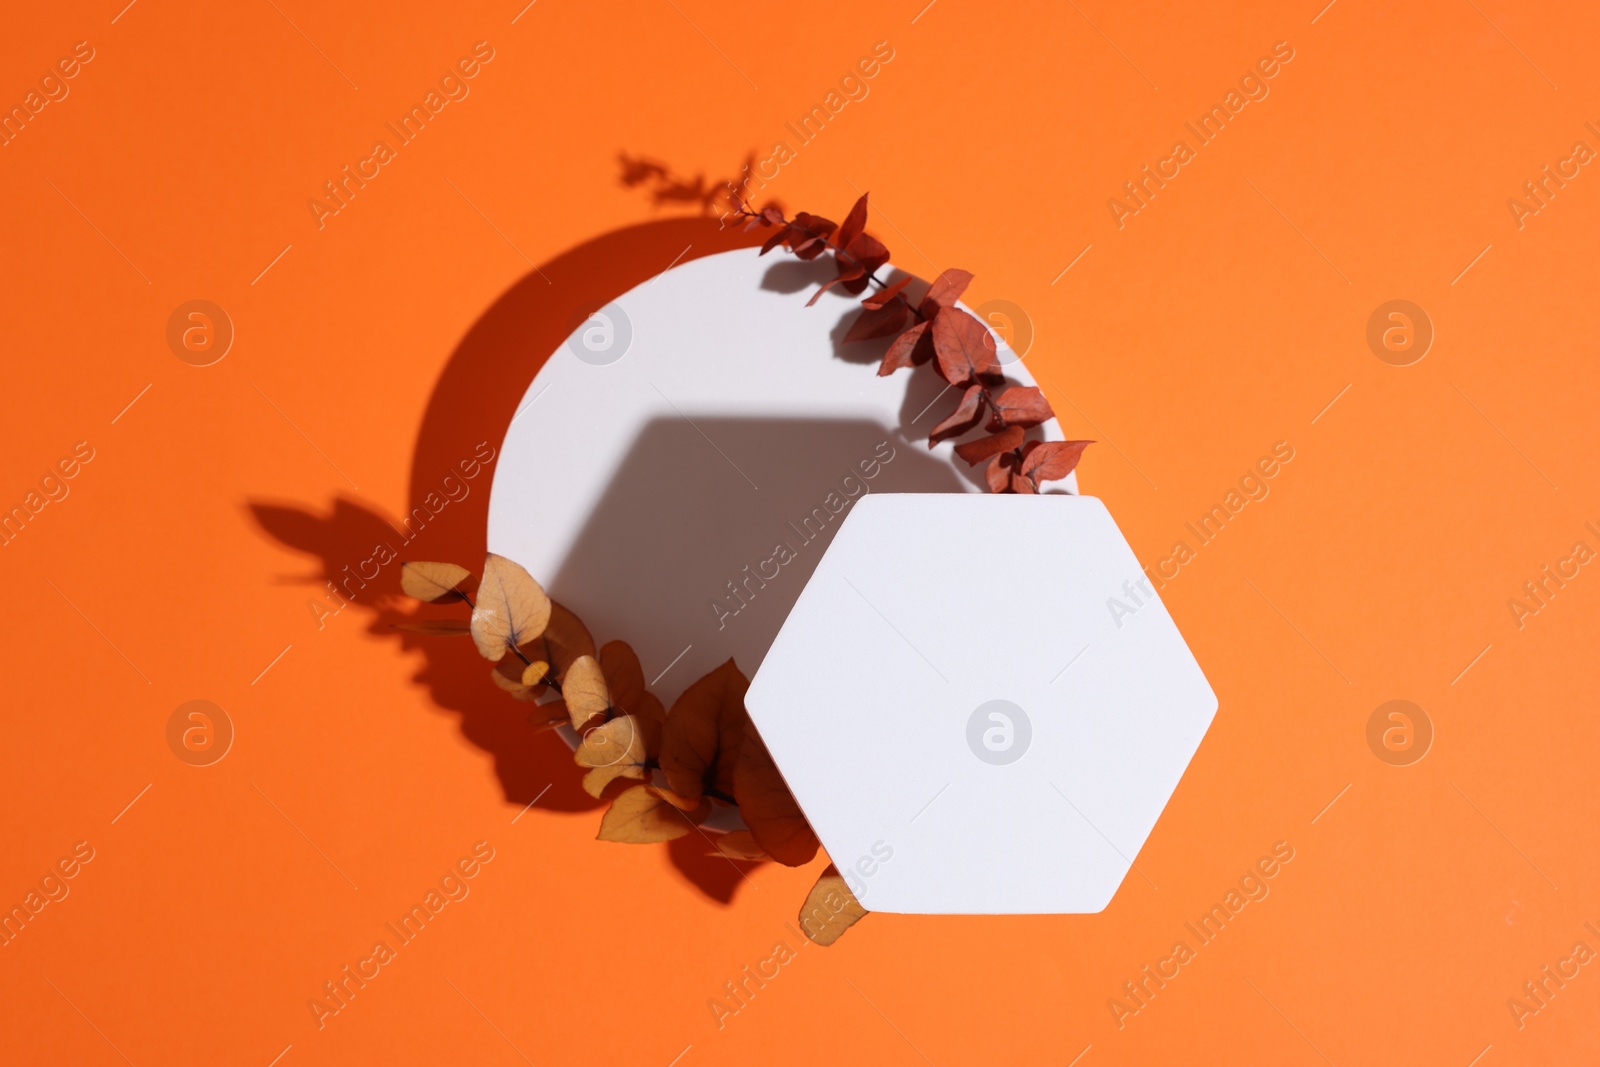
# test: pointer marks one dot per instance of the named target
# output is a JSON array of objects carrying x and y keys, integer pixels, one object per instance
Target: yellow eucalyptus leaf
[
  {"x": 739, "y": 845},
  {"x": 679, "y": 802},
  {"x": 512, "y": 608},
  {"x": 513, "y": 686},
  {"x": 596, "y": 781},
  {"x": 584, "y": 690},
  {"x": 437, "y": 583},
  {"x": 638, "y": 816},
  {"x": 608, "y": 744},
  {"x": 830, "y": 908}
]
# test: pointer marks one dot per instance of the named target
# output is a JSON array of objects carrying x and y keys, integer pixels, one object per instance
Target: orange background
[{"x": 1222, "y": 318}]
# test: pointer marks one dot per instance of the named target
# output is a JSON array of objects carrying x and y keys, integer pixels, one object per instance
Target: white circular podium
[{"x": 678, "y": 466}]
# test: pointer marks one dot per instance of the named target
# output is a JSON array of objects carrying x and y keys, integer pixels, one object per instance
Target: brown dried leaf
[
  {"x": 564, "y": 640},
  {"x": 965, "y": 348},
  {"x": 548, "y": 716},
  {"x": 584, "y": 689},
  {"x": 640, "y": 817},
  {"x": 768, "y": 808},
  {"x": 512, "y": 608},
  {"x": 911, "y": 348},
  {"x": 962, "y": 419},
  {"x": 650, "y": 730},
  {"x": 700, "y": 742},
  {"x": 625, "y": 679},
  {"x": 975, "y": 452},
  {"x": 437, "y": 627},
  {"x": 624, "y": 673},
  {"x": 681, "y": 803},
  {"x": 437, "y": 583},
  {"x": 739, "y": 845},
  {"x": 830, "y": 908},
  {"x": 1021, "y": 405},
  {"x": 595, "y": 782}
]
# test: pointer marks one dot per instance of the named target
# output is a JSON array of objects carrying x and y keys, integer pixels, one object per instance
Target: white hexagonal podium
[{"x": 981, "y": 704}]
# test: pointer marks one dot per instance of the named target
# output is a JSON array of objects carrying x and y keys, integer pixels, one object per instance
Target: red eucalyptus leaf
[
  {"x": 813, "y": 224},
  {"x": 998, "y": 474},
  {"x": 946, "y": 289},
  {"x": 961, "y": 346},
  {"x": 1022, "y": 405},
  {"x": 878, "y": 322},
  {"x": 910, "y": 349},
  {"x": 962, "y": 419},
  {"x": 1046, "y": 461},
  {"x": 775, "y": 240},
  {"x": 808, "y": 235},
  {"x": 769, "y": 216},
  {"x": 821, "y": 289},
  {"x": 965, "y": 348},
  {"x": 867, "y": 253},
  {"x": 886, "y": 294},
  {"x": 1006, "y": 440},
  {"x": 848, "y": 273},
  {"x": 867, "y": 250},
  {"x": 848, "y": 268},
  {"x": 854, "y": 222}
]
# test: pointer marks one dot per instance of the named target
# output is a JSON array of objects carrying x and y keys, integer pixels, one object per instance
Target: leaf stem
[
  {"x": 745, "y": 212},
  {"x": 988, "y": 399}
]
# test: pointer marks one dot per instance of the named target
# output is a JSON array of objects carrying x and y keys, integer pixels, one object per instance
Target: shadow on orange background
[{"x": 477, "y": 393}]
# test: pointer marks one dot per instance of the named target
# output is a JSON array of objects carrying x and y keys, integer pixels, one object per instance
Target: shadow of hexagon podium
[{"x": 981, "y": 704}]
